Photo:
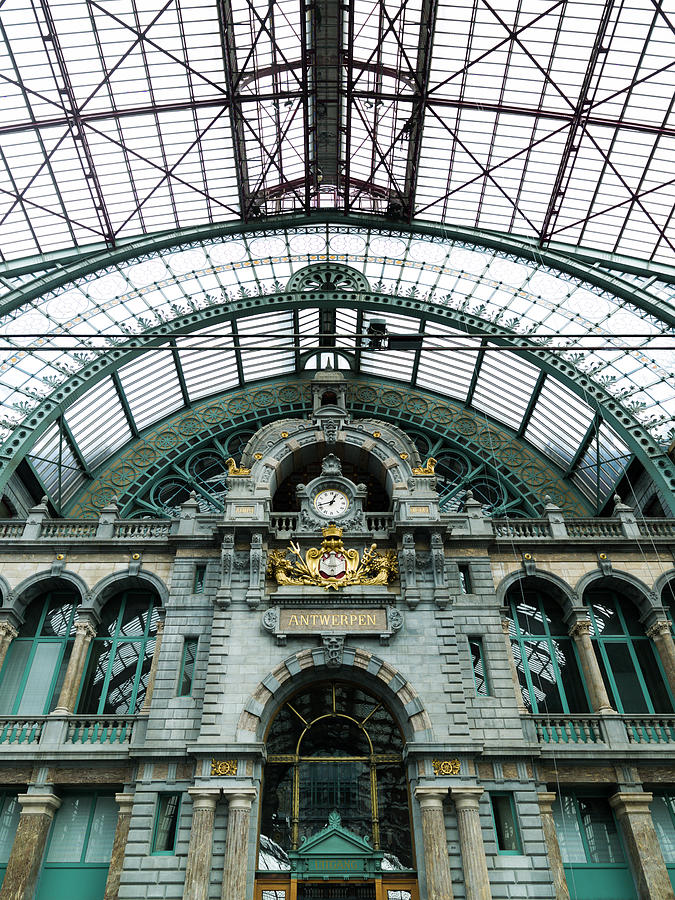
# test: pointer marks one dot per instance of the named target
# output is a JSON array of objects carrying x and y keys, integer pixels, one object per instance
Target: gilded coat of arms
[{"x": 331, "y": 565}]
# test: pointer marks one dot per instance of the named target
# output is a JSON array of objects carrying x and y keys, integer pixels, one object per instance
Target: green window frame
[
  {"x": 36, "y": 661},
  {"x": 187, "y": 666},
  {"x": 663, "y": 816},
  {"x": 79, "y": 846},
  {"x": 480, "y": 676},
  {"x": 165, "y": 826},
  {"x": 9, "y": 820},
  {"x": 465, "y": 583},
  {"x": 547, "y": 661},
  {"x": 120, "y": 656},
  {"x": 630, "y": 665},
  {"x": 505, "y": 823}
]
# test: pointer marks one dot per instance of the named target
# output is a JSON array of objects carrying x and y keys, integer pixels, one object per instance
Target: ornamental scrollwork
[
  {"x": 446, "y": 766},
  {"x": 331, "y": 565},
  {"x": 224, "y": 767}
]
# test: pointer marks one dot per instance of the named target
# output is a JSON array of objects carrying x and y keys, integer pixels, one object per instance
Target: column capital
[
  {"x": 626, "y": 803},
  {"x": 39, "y": 804},
  {"x": 506, "y": 624},
  {"x": 430, "y": 797},
  {"x": 546, "y": 801},
  {"x": 659, "y": 628},
  {"x": 581, "y": 628},
  {"x": 240, "y": 798},
  {"x": 7, "y": 630},
  {"x": 204, "y": 798},
  {"x": 125, "y": 802},
  {"x": 466, "y": 797},
  {"x": 84, "y": 628}
]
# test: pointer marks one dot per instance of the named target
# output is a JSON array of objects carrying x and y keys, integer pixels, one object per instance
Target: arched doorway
[{"x": 335, "y": 813}]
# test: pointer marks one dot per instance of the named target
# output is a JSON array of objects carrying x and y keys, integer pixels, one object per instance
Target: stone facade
[{"x": 208, "y": 746}]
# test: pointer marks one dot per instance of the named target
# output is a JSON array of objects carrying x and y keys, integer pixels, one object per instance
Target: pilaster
[
  {"x": 125, "y": 803},
  {"x": 200, "y": 851},
  {"x": 23, "y": 868},
  {"x": 436, "y": 861},
  {"x": 546, "y": 801},
  {"x": 644, "y": 851},
  {"x": 476, "y": 878},
  {"x": 236, "y": 846}
]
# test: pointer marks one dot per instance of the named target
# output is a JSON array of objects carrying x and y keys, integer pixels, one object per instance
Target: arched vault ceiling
[
  {"x": 544, "y": 118},
  {"x": 131, "y": 343}
]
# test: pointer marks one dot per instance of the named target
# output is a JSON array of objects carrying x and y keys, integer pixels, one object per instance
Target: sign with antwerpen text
[{"x": 304, "y": 621}]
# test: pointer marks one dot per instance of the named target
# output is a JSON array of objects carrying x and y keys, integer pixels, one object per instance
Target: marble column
[
  {"x": 25, "y": 860},
  {"x": 581, "y": 633},
  {"x": 200, "y": 851},
  {"x": 436, "y": 861},
  {"x": 662, "y": 635},
  {"x": 476, "y": 878},
  {"x": 506, "y": 628},
  {"x": 642, "y": 844},
  {"x": 125, "y": 802},
  {"x": 85, "y": 632},
  {"x": 7, "y": 634},
  {"x": 546, "y": 801},
  {"x": 236, "y": 845},
  {"x": 153, "y": 669}
]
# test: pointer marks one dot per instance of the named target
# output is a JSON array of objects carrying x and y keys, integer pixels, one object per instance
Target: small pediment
[
  {"x": 334, "y": 840},
  {"x": 336, "y": 851}
]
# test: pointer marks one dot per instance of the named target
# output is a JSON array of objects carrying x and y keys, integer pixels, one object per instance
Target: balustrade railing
[
  {"x": 568, "y": 729},
  {"x": 522, "y": 528},
  {"x": 657, "y": 527},
  {"x": 380, "y": 522},
  {"x": 11, "y": 529},
  {"x": 68, "y": 528},
  {"x": 114, "y": 730},
  {"x": 284, "y": 522},
  {"x": 606, "y": 528},
  {"x": 141, "y": 529},
  {"x": 650, "y": 729},
  {"x": 14, "y": 730}
]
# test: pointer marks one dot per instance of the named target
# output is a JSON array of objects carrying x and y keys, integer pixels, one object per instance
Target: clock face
[{"x": 331, "y": 503}]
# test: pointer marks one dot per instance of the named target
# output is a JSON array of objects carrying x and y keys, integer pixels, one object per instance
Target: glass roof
[
  {"x": 611, "y": 342},
  {"x": 548, "y": 119}
]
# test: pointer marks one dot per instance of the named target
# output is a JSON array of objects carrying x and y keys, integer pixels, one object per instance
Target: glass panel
[
  {"x": 12, "y": 673},
  {"x": 570, "y": 675},
  {"x": 631, "y": 695},
  {"x": 276, "y": 818},
  {"x": 38, "y": 685},
  {"x": 135, "y": 615},
  {"x": 663, "y": 810},
  {"x": 505, "y": 824},
  {"x": 392, "y": 803},
  {"x": 69, "y": 830},
  {"x": 99, "y": 660},
  {"x": 568, "y": 831},
  {"x": 328, "y": 786},
  {"x": 651, "y": 672},
  {"x": 604, "y": 845},
  {"x": 9, "y": 819},
  {"x": 335, "y": 736},
  {"x": 58, "y": 684},
  {"x": 274, "y": 895},
  {"x": 475, "y": 647},
  {"x": 123, "y": 678},
  {"x": 538, "y": 658},
  {"x": 166, "y": 823},
  {"x": 58, "y": 621},
  {"x": 189, "y": 656},
  {"x": 102, "y": 833}
]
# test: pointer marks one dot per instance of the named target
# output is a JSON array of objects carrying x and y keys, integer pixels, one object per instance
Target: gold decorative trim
[
  {"x": 224, "y": 766},
  {"x": 428, "y": 468},
  {"x": 234, "y": 469},
  {"x": 446, "y": 766},
  {"x": 331, "y": 565}
]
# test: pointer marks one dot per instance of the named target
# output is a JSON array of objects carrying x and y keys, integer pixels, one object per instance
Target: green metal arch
[
  {"x": 70, "y": 266},
  {"x": 143, "y": 462},
  {"x": 635, "y": 435}
]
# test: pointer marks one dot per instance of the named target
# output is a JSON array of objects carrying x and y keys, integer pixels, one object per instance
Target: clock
[{"x": 330, "y": 503}]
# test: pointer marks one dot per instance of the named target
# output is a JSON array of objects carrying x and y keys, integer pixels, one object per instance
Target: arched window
[
  {"x": 334, "y": 747},
  {"x": 546, "y": 657},
  {"x": 630, "y": 666},
  {"x": 36, "y": 661},
  {"x": 120, "y": 656}
]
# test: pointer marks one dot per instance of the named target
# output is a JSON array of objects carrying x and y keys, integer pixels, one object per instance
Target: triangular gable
[{"x": 335, "y": 849}]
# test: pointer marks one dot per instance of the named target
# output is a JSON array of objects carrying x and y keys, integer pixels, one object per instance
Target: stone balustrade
[
  {"x": 552, "y": 527},
  {"x": 62, "y": 731},
  {"x": 613, "y": 731}
]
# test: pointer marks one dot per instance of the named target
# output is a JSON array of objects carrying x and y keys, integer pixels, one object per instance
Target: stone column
[
  {"x": 436, "y": 862},
  {"x": 476, "y": 878},
  {"x": 7, "y": 634},
  {"x": 112, "y": 885},
  {"x": 236, "y": 845},
  {"x": 25, "y": 860},
  {"x": 642, "y": 844},
  {"x": 153, "y": 669},
  {"x": 662, "y": 635},
  {"x": 200, "y": 851},
  {"x": 506, "y": 625},
  {"x": 546, "y": 801},
  {"x": 581, "y": 633},
  {"x": 85, "y": 632}
]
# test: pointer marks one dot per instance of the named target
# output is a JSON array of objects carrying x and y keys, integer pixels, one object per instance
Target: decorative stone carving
[
  {"x": 446, "y": 767},
  {"x": 254, "y": 594},
  {"x": 330, "y": 429},
  {"x": 224, "y": 597},
  {"x": 408, "y": 567},
  {"x": 226, "y": 767},
  {"x": 331, "y": 465},
  {"x": 270, "y": 619},
  {"x": 334, "y": 645}
]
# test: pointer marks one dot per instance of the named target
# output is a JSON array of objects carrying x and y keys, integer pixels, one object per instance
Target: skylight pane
[
  {"x": 559, "y": 422},
  {"x": 444, "y": 368},
  {"x": 151, "y": 387},
  {"x": 266, "y": 345},
  {"x": 498, "y": 369},
  {"x": 98, "y": 423},
  {"x": 211, "y": 368}
]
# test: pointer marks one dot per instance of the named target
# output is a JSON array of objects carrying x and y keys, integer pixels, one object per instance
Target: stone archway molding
[{"x": 272, "y": 690}]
